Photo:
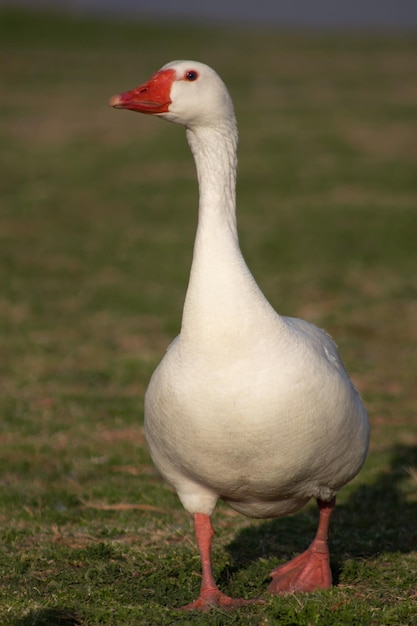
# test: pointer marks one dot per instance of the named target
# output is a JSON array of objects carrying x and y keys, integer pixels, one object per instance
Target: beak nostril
[{"x": 143, "y": 90}]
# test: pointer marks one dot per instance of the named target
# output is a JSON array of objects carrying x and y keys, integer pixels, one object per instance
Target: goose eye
[{"x": 191, "y": 75}]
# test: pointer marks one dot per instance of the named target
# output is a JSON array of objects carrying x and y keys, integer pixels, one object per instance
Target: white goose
[{"x": 247, "y": 405}]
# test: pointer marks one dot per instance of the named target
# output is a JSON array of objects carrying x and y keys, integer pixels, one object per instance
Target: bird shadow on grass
[
  {"x": 50, "y": 617},
  {"x": 375, "y": 519}
]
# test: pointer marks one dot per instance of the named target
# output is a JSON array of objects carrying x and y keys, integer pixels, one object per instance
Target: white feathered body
[{"x": 264, "y": 439}]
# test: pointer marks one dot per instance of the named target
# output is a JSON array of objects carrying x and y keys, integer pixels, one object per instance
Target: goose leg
[
  {"x": 311, "y": 569},
  {"x": 210, "y": 595}
]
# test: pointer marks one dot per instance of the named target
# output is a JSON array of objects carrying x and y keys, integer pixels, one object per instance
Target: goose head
[{"x": 184, "y": 92}]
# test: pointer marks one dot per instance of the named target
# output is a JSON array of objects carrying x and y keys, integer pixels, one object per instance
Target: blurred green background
[{"x": 97, "y": 221}]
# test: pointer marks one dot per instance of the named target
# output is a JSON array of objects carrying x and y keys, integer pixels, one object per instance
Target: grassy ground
[{"x": 97, "y": 223}]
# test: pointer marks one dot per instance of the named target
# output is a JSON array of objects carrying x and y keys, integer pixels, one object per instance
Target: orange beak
[{"x": 151, "y": 97}]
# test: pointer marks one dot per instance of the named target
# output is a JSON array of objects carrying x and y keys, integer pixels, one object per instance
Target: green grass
[{"x": 98, "y": 213}]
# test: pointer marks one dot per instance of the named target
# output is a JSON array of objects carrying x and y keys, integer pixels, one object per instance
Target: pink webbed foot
[
  {"x": 210, "y": 596},
  {"x": 307, "y": 572},
  {"x": 310, "y": 570}
]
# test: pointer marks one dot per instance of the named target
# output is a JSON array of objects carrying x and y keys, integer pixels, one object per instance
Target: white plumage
[{"x": 246, "y": 405}]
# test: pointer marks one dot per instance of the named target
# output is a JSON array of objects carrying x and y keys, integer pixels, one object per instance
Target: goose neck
[{"x": 215, "y": 156}]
